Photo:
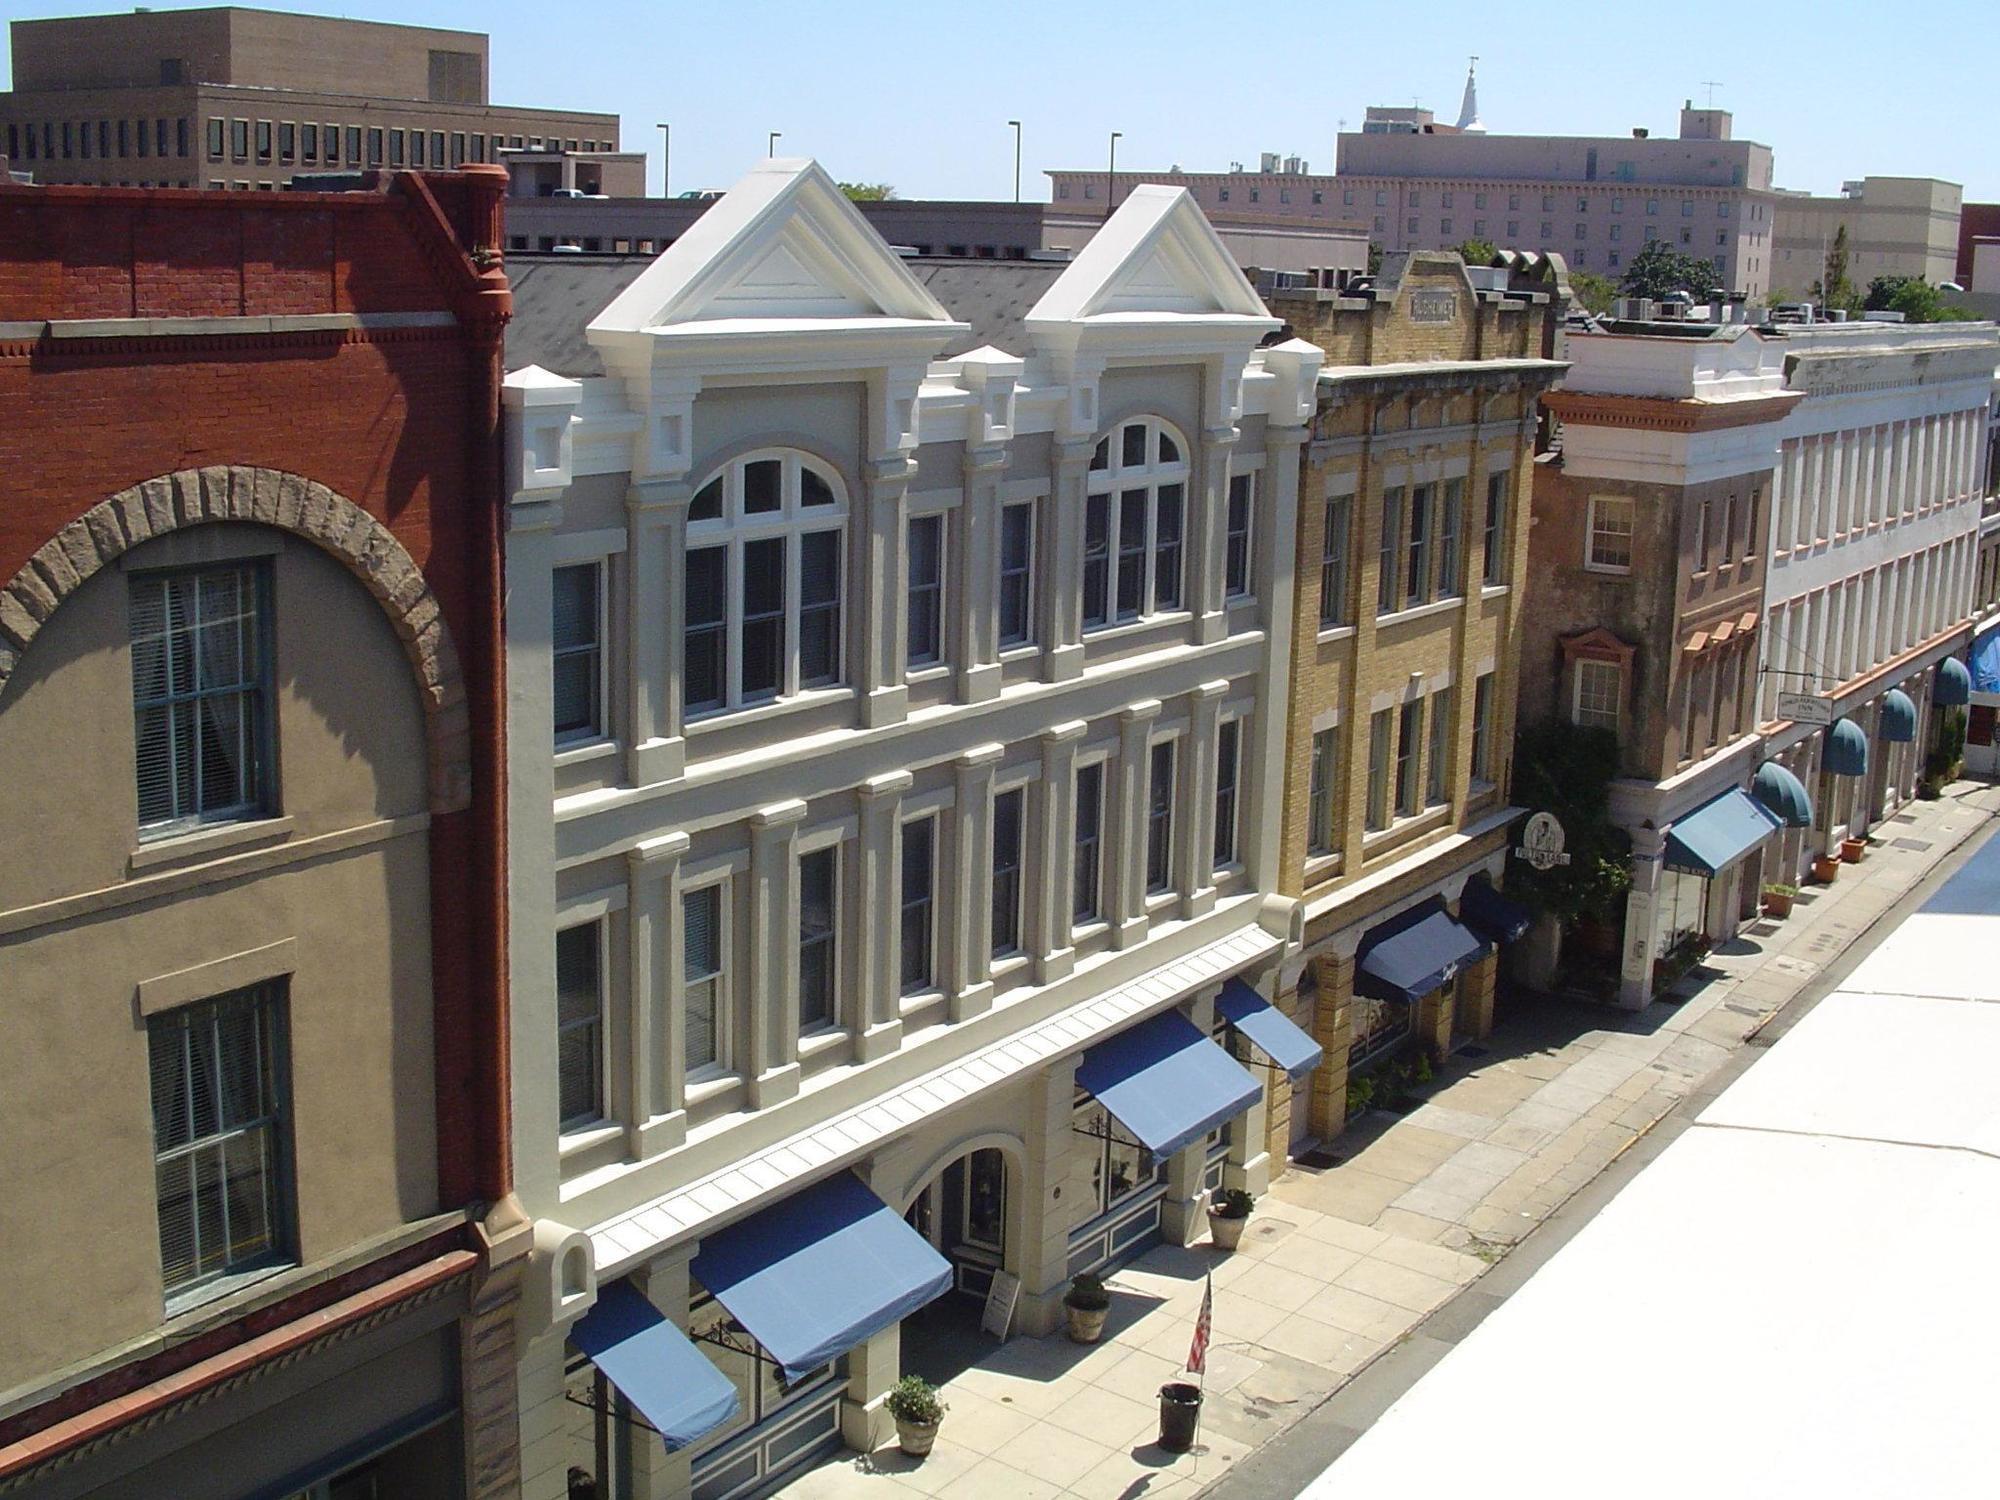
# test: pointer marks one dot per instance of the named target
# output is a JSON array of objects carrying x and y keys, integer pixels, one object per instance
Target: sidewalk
[{"x": 1340, "y": 1264}]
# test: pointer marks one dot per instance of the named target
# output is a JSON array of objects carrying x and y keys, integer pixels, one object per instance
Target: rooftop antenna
[{"x": 1711, "y": 86}]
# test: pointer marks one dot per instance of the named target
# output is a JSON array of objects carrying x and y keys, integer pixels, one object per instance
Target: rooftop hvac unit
[
  {"x": 1267, "y": 161},
  {"x": 1633, "y": 310}
]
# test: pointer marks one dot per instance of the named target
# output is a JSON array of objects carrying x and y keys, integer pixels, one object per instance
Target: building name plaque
[{"x": 1433, "y": 306}]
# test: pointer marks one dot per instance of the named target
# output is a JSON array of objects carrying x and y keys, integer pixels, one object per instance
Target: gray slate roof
[{"x": 556, "y": 296}]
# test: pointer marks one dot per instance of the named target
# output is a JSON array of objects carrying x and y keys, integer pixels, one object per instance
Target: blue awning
[
  {"x": 1782, "y": 792},
  {"x": 1899, "y": 718},
  {"x": 815, "y": 1275},
  {"x": 1953, "y": 688},
  {"x": 1275, "y": 1034},
  {"x": 1493, "y": 916},
  {"x": 1166, "y": 1083},
  {"x": 1986, "y": 662},
  {"x": 1846, "y": 751},
  {"x": 655, "y": 1367},
  {"x": 1718, "y": 833},
  {"x": 1414, "y": 953}
]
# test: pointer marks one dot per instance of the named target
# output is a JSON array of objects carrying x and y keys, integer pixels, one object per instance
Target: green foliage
[
  {"x": 1912, "y": 296},
  {"x": 914, "y": 1399},
  {"x": 1833, "y": 289},
  {"x": 1595, "y": 292},
  {"x": 1883, "y": 289},
  {"x": 1422, "y": 1072},
  {"x": 1476, "y": 252},
  {"x": 1374, "y": 259},
  {"x": 1567, "y": 769},
  {"x": 1779, "y": 888},
  {"x": 1087, "y": 1293},
  {"x": 1660, "y": 269},
  {"x": 1360, "y": 1095},
  {"x": 1942, "y": 764},
  {"x": 1680, "y": 959},
  {"x": 868, "y": 192},
  {"x": 1231, "y": 1203}
]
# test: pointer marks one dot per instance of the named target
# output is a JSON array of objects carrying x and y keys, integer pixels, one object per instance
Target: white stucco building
[
  {"x": 895, "y": 741},
  {"x": 1874, "y": 548}
]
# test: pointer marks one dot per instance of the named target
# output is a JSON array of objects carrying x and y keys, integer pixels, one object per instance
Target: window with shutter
[
  {"x": 200, "y": 696},
  {"x": 218, "y": 1139}
]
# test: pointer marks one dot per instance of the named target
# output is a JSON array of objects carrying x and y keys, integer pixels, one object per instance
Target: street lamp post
[
  {"x": 1017, "y": 159},
  {"x": 666, "y": 156},
  {"x": 1111, "y": 175},
  {"x": 771, "y": 145}
]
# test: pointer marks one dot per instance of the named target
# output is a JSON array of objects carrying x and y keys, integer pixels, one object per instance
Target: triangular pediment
[
  {"x": 1157, "y": 254},
  {"x": 784, "y": 244}
]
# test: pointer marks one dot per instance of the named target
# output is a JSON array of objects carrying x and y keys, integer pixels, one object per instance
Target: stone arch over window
[{"x": 289, "y": 503}]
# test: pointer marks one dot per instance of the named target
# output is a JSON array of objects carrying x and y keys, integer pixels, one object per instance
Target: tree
[
  {"x": 1659, "y": 270},
  {"x": 1912, "y": 296},
  {"x": 1883, "y": 289},
  {"x": 1833, "y": 289},
  {"x": 1567, "y": 769},
  {"x": 868, "y": 192},
  {"x": 1374, "y": 258},
  {"x": 1595, "y": 292},
  {"x": 1476, "y": 252}
]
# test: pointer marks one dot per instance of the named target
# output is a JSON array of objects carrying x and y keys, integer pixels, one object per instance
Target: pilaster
[
  {"x": 881, "y": 861},
  {"x": 657, "y": 1121},
  {"x": 1059, "y": 560},
  {"x": 1055, "y": 954},
  {"x": 972, "y": 940},
  {"x": 656, "y": 512},
  {"x": 1207, "y": 532},
  {"x": 1127, "y": 908},
  {"x": 885, "y": 587},
  {"x": 979, "y": 574},
  {"x": 1045, "y": 1215},
  {"x": 1197, "y": 876},
  {"x": 774, "y": 952}
]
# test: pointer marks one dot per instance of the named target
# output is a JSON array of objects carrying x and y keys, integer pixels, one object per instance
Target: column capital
[
  {"x": 981, "y": 756},
  {"x": 778, "y": 814},
  {"x": 659, "y": 852},
  {"x": 896, "y": 470},
  {"x": 1222, "y": 435},
  {"x": 888, "y": 784},
  {"x": 656, "y": 498},
  {"x": 1210, "y": 690},
  {"x": 1294, "y": 436},
  {"x": 1061, "y": 734},
  {"x": 1075, "y": 450},
  {"x": 1142, "y": 712},
  {"x": 984, "y": 458}
]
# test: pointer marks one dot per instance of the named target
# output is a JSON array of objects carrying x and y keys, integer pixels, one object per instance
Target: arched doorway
[{"x": 963, "y": 1210}]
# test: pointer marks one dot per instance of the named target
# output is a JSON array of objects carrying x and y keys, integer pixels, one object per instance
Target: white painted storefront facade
[{"x": 807, "y": 744}]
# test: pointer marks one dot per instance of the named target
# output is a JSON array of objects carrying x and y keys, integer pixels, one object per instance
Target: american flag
[{"x": 1198, "y": 1351}]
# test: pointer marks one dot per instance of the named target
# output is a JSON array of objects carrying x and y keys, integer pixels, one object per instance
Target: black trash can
[{"x": 1180, "y": 1410}]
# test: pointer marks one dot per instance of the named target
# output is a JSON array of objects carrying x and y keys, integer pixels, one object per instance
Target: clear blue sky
[{"x": 919, "y": 95}]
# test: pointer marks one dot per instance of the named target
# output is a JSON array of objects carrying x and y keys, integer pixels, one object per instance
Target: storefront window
[
  {"x": 1679, "y": 906},
  {"x": 1378, "y": 1025},
  {"x": 985, "y": 1199},
  {"x": 1120, "y": 1167},
  {"x": 761, "y": 1388}
]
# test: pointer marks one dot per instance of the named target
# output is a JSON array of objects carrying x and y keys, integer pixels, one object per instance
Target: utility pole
[
  {"x": 666, "y": 156},
  {"x": 1017, "y": 159}
]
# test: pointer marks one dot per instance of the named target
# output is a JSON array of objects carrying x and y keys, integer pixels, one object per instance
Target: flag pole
[{"x": 1201, "y": 1375}]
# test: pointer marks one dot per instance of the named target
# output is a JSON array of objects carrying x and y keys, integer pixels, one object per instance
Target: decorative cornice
[{"x": 1657, "y": 414}]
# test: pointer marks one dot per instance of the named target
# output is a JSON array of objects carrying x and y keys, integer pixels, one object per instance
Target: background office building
[
  {"x": 233, "y": 98},
  {"x": 1896, "y": 226}
]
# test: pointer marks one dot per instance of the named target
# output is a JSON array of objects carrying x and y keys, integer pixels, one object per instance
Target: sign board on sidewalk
[
  {"x": 1805, "y": 708},
  {"x": 1000, "y": 1299}
]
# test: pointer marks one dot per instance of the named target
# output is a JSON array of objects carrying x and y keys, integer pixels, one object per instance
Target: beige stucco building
[
  {"x": 1896, "y": 226},
  {"x": 1411, "y": 544}
]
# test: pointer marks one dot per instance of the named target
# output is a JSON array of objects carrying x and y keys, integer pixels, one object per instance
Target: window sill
[
  {"x": 816, "y": 1044},
  {"x": 194, "y": 1299},
  {"x": 1405, "y": 827},
  {"x": 712, "y": 719},
  {"x": 1420, "y": 611},
  {"x": 1609, "y": 570},
  {"x": 1161, "y": 900},
  {"x": 202, "y": 843},
  {"x": 1019, "y": 651},
  {"x": 1006, "y": 965},
  {"x": 576, "y": 1140},
  {"x": 710, "y": 1083},
  {"x": 1495, "y": 590},
  {"x": 1323, "y": 866},
  {"x": 582, "y": 752},
  {"x": 1335, "y": 633},
  {"x": 1119, "y": 628},
  {"x": 1082, "y": 932},
  {"x": 928, "y": 671}
]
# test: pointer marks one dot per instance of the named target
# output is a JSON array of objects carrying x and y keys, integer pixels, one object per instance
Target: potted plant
[
  {"x": 1087, "y": 1302},
  {"x": 1228, "y": 1211},
  {"x": 1778, "y": 899},
  {"x": 1825, "y": 869},
  {"x": 913, "y": 1402},
  {"x": 1851, "y": 850}
]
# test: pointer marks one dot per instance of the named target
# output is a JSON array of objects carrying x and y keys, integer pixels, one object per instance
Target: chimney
[{"x": 1640, "y": 132}]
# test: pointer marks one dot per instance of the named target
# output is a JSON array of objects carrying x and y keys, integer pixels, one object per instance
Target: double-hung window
[
  {"x": 1319, "y": 794},
  {"x": 1495, "y": 562},
  {"x": 1451, "y": 508},
  {"x": 1009, "y": 816},
  {"x": 1160, "y": 817},
  {"x": 219, "y": 1149},
  {"x": 1610, "y": 541},
  {"x": 704, "y": 941},
  {"x": 1409, "y": 736},
  {"x": 1333, "y": 561},
  {"x": 576, "y": 652},
  {"x": 925, "y": 594},
  {"x": 919, "y": 905},
  {"x": 1417, "y": 556},
  {"x": 1088, "y": 854},
  {"x": 1437, "y": 755},
  {"x": 1236, "y": 542},
  {"x": 1017, "y": 573},
  {"x": 1599, "y": 687},
  {"x": 1482, "y": 727},
  {"x": 1228, "y": 768},
  {"x": 201, "y": 696},
  {"x": 762, "y": 583},
  {"x": 1379, "y": 730},
  {"x": 1134, "y": 524},
  {"x": 1387, "y": 597},
  {"x": 580, "y": 1024},
  {"x": 819, "y": 904}
]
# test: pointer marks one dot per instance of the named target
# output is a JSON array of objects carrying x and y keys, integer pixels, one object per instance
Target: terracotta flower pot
[
  {"x": 1825, "y": 869},
  {"x": 1226, "y": 1233},
  {"x": 1777, "y": 906},
  {"x": 1851, "y": 850}
]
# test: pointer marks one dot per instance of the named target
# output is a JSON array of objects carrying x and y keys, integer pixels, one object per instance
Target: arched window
[
  {"x": 762, "y": 582},
  {"x": 1135, "y": 518}
]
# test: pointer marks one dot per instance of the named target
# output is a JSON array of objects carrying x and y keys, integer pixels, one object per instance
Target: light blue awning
[
  {"x": 1275, "y": 1034},
  {"x": 1953, "y": 688},
  {"x": 1495, "y": 917},
  {"x": 1718, "y": 833},
  {"x": 1846, "y": 751},
  {"x": 654, "y": 1365},
  {"x": 1899, "y": 718},
  {"x": 815, "y": 1275},
  {"x": 1986, "y": 662},
  {"x": 1413, "y": 953},
  {"x": 1166, "y": 1083},
  {"x": 1782, "y": 792}
]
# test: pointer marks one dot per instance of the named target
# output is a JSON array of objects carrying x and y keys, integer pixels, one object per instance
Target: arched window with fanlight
[
  {"x": 763, "y": 583},
  {"x": 1135, "y": 524}
]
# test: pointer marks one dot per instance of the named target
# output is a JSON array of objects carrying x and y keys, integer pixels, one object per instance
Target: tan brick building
[{"x": 1412, "y": 545}]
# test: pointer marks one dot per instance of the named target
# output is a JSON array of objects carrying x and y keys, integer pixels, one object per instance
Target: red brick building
[{"x": 259, "y": 1231}]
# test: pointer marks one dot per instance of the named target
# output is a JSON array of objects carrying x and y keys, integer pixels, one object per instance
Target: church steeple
[{"x": 1468, "y": 112}]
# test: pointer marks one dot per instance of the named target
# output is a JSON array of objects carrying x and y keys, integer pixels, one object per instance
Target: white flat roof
[{"x": 1794, "y": 1299}]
